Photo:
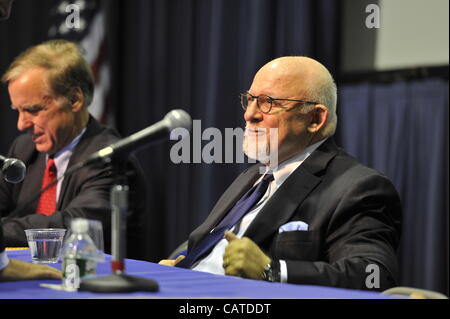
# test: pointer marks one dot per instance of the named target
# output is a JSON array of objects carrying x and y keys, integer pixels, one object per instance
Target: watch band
[{"x": 272, "y": 272}]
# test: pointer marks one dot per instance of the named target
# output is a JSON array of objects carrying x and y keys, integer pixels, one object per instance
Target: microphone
[
  {"x": 156, "y": 132},
  {"x": 13, "y": 169}
]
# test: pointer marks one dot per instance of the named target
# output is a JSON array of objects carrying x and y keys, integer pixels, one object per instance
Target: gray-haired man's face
[{"x": 5, "y": 9}]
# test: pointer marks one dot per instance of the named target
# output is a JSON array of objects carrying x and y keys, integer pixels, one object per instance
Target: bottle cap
[{"x": 79, "y": 225}]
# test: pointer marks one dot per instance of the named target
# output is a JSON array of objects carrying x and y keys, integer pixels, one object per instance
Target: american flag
[{"x": 83, "y": 21}]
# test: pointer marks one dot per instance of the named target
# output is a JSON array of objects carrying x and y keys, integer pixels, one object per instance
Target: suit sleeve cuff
[
  {"x": 4, "y": 261},
  {"x": 283, "y": 271}
]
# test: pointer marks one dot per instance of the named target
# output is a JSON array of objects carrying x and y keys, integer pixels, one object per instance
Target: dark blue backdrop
[{"x": 401, "y": 129}]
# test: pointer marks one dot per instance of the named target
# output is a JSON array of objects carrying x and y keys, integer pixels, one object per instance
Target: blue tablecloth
[{"x": 178, "y": 283}]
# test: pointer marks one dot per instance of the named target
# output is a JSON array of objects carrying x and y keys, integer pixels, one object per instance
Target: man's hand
[
  {"x": 171, "y": 262},
  {"x": 21, "y": 270},
  {"x": 243, "y": 258}
]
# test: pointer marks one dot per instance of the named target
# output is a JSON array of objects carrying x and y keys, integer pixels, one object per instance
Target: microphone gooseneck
[{"x": 154, "y": 133}]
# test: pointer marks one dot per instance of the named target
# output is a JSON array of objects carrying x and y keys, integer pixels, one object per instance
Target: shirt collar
[
  {"x": 64, "y": 154},
  {"x": 71, "y": 145},
  {"x": 285, "y": 169}
]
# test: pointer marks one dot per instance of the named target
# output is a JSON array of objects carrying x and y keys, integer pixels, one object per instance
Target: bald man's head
[
  {"x": 290, "y": 105},
  {"x": 301, "y": 78}
]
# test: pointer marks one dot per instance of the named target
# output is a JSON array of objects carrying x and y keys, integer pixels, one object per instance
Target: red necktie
[{"x": 47, "y": 201}]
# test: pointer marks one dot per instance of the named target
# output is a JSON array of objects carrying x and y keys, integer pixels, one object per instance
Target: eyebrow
[
  {"x": 45, "y": 99},
  {"x": 27, "y": 107},
  {"x": 268, "y": 94}
]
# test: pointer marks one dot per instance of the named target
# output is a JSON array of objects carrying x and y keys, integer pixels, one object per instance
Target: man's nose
[
  {"x": 253, "y": 113},
  {"x": 23, "y": 122}
]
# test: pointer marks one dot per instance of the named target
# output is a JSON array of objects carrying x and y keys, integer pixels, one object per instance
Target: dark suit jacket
[
  {"x": 86, "y": 193},
  {"x": 353, "y": 213}
]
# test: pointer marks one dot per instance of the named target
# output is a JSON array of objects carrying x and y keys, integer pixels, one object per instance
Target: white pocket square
[{"x": 293, "y": 226}]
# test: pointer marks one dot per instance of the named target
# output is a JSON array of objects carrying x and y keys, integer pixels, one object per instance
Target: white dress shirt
[
  {"x": 61, "y": 161},
  {"x": 213, "y": 261}
]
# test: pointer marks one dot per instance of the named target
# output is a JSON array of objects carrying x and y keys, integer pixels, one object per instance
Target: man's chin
[
  {"x": 42, "y": 148},
  {"x": 257, "y": 155}
]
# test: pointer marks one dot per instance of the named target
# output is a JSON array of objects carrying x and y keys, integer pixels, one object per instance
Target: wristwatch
[{"x": 272, "y": 272}]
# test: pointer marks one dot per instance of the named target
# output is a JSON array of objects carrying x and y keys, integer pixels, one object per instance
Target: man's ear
[
  {"x": 76, "y": 99},
  {"x": 319, "y": 117}
]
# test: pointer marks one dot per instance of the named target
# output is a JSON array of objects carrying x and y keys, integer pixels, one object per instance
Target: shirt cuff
[
  {"x": 283, "y": 271},
  {"x": 4, "y": 261}
]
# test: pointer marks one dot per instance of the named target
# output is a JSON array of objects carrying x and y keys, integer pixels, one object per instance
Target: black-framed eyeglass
[{"x": 265, "y": 102}]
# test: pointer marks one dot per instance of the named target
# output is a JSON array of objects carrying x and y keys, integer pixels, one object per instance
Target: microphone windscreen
[
  {"x": 14, "y": 170},
  {"x": 178, "y": 118}
]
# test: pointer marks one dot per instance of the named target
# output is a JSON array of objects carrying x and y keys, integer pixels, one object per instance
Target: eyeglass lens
[{"x": 264, "y": 102}]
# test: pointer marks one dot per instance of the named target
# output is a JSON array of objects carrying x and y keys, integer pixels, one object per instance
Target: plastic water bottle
[{"x": 80, "y": 255}]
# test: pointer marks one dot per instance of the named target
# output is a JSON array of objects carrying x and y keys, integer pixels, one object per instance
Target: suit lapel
[
  {"x": 233, "y": 193},
  {"x": 282, "y": 205},
  {"x": 78, "y": 155},
  {"x": 284, "y": 202}
]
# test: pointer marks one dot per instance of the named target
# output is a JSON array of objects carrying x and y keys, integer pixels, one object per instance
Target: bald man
[{"x": 323, "y": 218}]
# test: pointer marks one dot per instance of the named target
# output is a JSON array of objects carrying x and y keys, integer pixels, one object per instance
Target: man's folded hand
[{"x": 243, "y": 258}]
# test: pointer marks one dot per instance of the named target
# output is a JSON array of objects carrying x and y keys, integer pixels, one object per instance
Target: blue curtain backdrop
[{"x": 401, "y": 129}]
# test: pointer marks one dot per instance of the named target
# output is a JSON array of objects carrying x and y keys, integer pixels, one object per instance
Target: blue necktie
[{"x": 242, "y": 207}]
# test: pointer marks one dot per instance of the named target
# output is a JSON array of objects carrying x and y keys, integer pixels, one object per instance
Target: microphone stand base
[{"x": 118, "y": 283}]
